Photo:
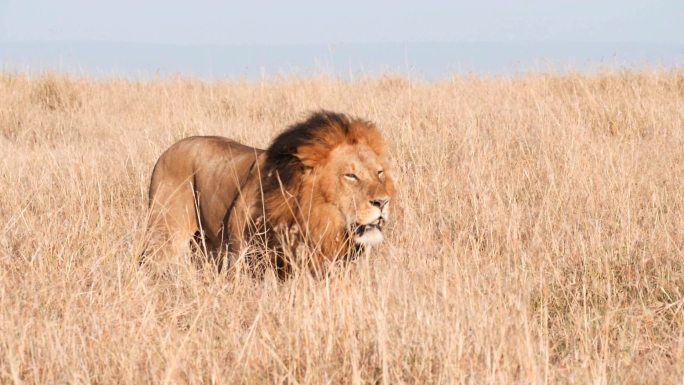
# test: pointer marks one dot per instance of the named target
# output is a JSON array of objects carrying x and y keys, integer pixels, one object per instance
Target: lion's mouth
[{"x": 361, "y": 229}]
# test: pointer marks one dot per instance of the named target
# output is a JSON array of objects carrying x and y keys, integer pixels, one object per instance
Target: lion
[{"x": 324, "y": 183}]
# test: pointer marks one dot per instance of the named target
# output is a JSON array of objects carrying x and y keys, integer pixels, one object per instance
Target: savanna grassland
[{"x": 538, "y": 236}]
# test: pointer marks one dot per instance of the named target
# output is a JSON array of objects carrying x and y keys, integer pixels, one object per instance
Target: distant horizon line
[
  {"x": 266, "y": 44},
  {"x": 418, "y": 59}
]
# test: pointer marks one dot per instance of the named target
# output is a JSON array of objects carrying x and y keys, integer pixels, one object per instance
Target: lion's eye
[
  {"x": 351, "y": 177},
  {"x": 381, "y": 172}
]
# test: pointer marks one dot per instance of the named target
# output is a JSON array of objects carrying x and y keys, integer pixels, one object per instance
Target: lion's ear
[{"x": 310, "y": 156}]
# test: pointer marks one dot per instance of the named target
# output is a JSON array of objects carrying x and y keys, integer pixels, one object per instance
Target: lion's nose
[{"x": 379, "y": 202}]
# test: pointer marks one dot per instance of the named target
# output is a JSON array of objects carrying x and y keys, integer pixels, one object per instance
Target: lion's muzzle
[{"x": 370, "y": 233}]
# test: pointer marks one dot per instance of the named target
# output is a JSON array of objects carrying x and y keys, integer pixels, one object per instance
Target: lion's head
[{"x": 329, "y": 175}]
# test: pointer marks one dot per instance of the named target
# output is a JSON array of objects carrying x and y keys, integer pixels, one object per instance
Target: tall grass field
[{"x": 537, "y": 236}]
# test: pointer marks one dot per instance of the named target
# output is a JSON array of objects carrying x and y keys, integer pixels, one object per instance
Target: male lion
[{"x": 323, "y": 183}]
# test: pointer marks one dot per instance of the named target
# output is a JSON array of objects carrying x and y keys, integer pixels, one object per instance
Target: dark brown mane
[
  {"x": 304, "y": 145},
  {"x": 281, "y": 155},
  {"x": 307, "y": 143}
]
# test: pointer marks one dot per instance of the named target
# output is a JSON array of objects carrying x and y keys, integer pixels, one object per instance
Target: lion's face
[{"x": 356, "y": 180}]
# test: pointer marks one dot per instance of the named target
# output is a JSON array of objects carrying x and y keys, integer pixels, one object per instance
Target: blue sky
[
  {"x": 210, "y": 38},
  {"x": 277, "y": 22}
]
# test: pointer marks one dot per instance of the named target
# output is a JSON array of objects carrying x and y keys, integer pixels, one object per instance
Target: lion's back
[{"x": 199, "y": 156}]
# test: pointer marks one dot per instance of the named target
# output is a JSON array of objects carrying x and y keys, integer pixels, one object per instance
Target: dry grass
[{"x": 539, "y": 236}]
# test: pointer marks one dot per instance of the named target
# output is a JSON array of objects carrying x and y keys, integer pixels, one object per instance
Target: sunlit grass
[{"x": 538, "y": 236}]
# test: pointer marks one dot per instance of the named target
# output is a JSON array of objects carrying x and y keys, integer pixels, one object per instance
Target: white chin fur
[{"x": 370, "y": 237}]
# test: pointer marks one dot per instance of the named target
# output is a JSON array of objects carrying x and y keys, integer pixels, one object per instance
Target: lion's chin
[{"x": 369, "y": 236}]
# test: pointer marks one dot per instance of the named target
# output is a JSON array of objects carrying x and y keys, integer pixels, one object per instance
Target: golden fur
[{"x": 323, "y": 183}]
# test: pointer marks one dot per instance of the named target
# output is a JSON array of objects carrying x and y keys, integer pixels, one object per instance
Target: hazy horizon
[{"x": 424, "y": 60}]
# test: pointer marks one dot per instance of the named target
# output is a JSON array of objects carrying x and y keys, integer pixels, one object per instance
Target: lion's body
[
  {"x": 322, "y": 182},
  {"x": 194, "y": 185}
]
